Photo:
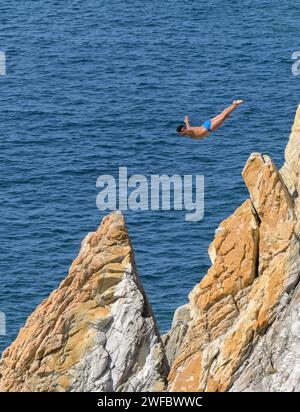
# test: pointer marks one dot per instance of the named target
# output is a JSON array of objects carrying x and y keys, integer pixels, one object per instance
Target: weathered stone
[
  {"x": 173, "y": 339},
  {"x": 279, "y": 228},
  {"x": 96, "y": 332},
  {"x": 274, "y": 363},
  {"x": 255, "y": 266},
  {"x": 214, "y": 306},
  {"x": 291, "y": 169}
]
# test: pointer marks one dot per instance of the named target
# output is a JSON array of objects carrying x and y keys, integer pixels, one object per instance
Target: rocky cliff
[
  {"x": 244, "y": 330},
  {"x": 96, "y": 332},
  {"x": 240, "y": 330}
]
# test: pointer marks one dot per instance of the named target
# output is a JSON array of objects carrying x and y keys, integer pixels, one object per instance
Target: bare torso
[{"x": 198, "y": 132}]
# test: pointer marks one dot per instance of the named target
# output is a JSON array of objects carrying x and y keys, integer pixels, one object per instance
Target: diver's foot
[{"x": 238, "y": 102}]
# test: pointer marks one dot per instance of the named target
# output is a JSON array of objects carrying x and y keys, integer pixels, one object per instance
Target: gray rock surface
[
  {"x": 173, "y": 339},
  {"x": 274, "y": 363}
]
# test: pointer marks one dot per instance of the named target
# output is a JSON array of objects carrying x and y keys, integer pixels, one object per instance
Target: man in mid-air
[{"x": 199, "y": 132}]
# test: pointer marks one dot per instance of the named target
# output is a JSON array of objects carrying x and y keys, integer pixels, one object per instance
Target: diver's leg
[{"x": 217, "y": 121}]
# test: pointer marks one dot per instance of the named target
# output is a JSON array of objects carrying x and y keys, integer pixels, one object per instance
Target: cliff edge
[{"x": 244, "y": 333}]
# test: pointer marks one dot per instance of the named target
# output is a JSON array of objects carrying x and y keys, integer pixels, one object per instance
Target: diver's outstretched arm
[{"x": 187, "y": 122}]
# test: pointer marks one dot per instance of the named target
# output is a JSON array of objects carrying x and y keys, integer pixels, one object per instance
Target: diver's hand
[{"x": 187, "y": 122}]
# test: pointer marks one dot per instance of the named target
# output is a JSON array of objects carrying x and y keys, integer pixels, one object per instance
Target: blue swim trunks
[{"x": 207, "y": 125}]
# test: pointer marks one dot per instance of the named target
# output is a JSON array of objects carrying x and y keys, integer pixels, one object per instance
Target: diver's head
[{"x": 181, "y": 129}]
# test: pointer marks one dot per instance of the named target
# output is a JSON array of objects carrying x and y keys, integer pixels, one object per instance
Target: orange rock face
[
  {"x": 95, "y": 332},
  {"x": 255, "y": 265}
]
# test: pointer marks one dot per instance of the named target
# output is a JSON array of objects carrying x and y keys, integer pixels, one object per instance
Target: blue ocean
[{"x": 92, "y": 86}]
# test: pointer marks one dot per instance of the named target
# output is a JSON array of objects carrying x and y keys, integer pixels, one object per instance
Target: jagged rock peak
[{"x": 96, "y": 332}]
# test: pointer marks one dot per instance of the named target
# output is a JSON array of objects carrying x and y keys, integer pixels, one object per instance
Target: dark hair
[{"x": 180, "y": 127}]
